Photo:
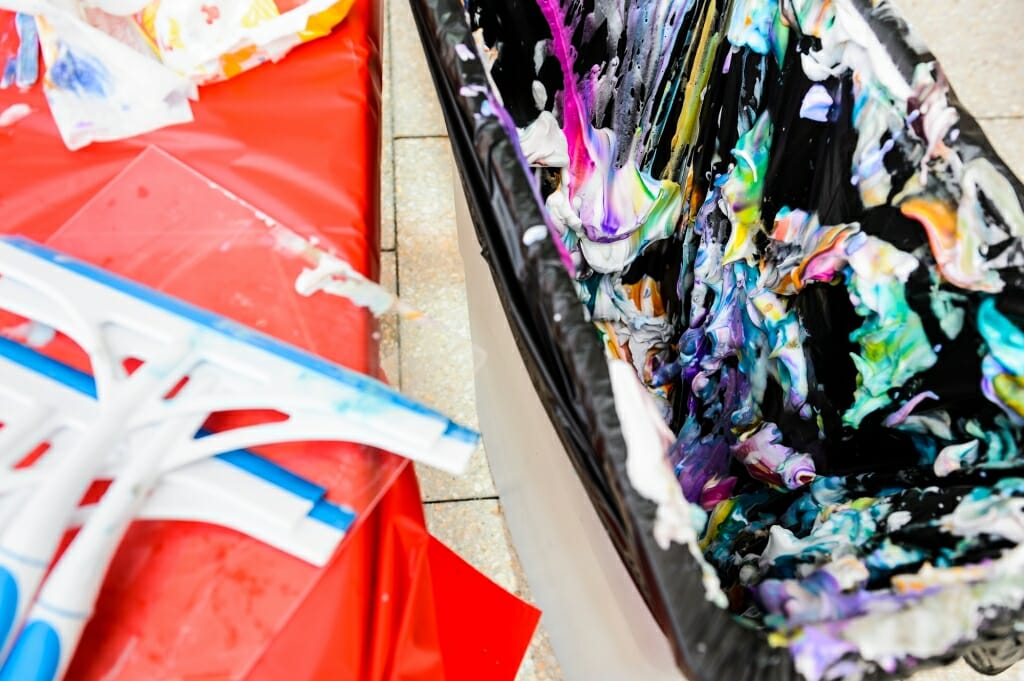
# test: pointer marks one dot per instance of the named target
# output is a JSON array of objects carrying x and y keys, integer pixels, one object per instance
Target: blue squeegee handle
[
  {"x": 37, "y": 654},
  {"x": 19, "y": 578}
]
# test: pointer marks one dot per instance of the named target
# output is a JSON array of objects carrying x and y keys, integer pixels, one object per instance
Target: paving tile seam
[
  {"x": 419, "y": 137},
  {"x": 460, "y": 500}
]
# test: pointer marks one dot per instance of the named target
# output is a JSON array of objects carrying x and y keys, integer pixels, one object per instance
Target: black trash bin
[{"x": 856, "y": 209}]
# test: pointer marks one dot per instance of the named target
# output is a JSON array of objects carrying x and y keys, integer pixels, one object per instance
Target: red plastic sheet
[
  {"x": 299, "y": 140},
  {"x": 408, "y": 610}
]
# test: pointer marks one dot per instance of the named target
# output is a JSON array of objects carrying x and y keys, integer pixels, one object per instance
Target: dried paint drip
[
  {"x": 327, "y": 273},
  {"x": 13, "y": 114},
  {"x": 793, "y": 240}
]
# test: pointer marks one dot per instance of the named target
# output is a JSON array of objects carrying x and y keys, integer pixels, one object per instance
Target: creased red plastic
[{"x": 300, "y": 137}]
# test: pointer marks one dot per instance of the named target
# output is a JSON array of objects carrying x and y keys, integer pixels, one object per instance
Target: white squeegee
[{"x": 193, "y": 364}]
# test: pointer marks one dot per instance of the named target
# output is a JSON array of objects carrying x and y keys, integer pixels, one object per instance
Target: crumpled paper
[
  {"x": 98, "y": 88},
  {"x": 119, "y": 68},
  {"x": 211, "y": 40}
]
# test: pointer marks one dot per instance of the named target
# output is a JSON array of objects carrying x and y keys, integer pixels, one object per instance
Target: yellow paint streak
[
  {"x": 258, "y": 12},
  {"x": 693, "y": 97},
  {"x": 319, "y": 25}
]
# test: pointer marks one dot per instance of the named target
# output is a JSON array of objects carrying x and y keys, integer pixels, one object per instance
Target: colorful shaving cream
[{"x": 783, "y": 231}]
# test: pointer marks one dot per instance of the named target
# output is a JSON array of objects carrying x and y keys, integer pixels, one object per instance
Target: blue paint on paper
[
  {"x": 79, "y": 73},
  {"x": 10, "y": 71},
  {"x": 27, "y": 69}
]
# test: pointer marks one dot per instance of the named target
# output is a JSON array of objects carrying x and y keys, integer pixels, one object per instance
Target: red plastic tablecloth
[{"x": 300, "y": 141}]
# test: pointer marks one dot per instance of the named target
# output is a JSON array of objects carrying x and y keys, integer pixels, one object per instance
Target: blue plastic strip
[
  {"x": 334, "y": 515},
  {"x": 271, "y": 472},
  {"x": 255, "y": 465},
  {"x": 9, "y": 73},
  {"x": 47, "y": 366}
]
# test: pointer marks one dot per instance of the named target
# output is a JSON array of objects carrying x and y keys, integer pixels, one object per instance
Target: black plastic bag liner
[{"x": 557, "y": 339}]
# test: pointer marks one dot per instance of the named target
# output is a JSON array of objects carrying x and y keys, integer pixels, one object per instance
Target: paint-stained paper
[
  {"x": 211, "y": 41},
  {"x": 99, "y": 88},
  {"x": 119, "y": 68}
]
